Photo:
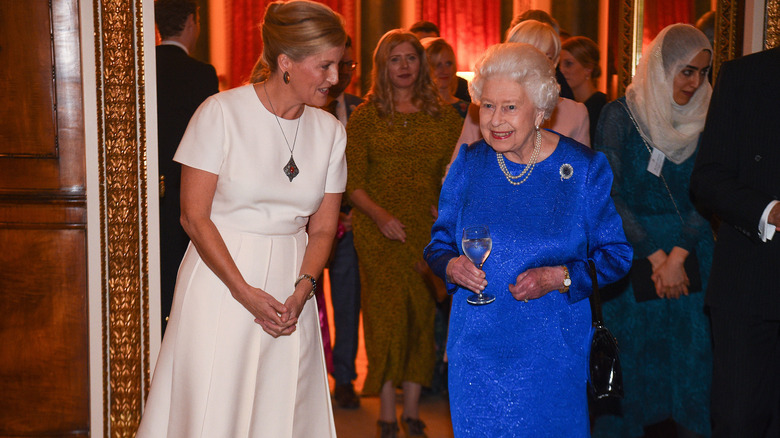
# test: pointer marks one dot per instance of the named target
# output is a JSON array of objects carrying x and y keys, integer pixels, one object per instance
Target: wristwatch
[{"x": 566, "y": 280}]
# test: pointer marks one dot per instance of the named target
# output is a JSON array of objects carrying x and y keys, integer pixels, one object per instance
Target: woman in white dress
[{"x": 263, "y": 170}]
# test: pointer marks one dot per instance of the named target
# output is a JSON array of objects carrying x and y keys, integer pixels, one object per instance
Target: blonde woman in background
[
  {"x": 444, "y": 68},
  {"x": 398, "y": 146}
]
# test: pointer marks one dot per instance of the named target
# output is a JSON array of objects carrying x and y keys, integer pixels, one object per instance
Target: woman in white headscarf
[{"x": 650, "y": 137}]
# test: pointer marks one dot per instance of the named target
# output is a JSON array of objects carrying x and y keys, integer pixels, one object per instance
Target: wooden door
[{"x": 44, "y": 372}]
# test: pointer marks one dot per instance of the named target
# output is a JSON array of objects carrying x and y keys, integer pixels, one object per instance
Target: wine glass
[{"x": 476, "y": 244}]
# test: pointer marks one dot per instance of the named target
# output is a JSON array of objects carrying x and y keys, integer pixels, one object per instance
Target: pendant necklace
[{"x": 291, "y": 169}]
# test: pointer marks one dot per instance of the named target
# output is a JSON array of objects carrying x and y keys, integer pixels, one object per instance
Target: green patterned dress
[{"x": 400, "y": 167}]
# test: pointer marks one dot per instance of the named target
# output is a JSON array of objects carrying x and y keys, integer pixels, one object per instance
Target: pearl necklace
[{"x": 529, "y": 168}]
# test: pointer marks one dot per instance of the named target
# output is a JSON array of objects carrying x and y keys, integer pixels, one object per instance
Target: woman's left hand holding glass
[{"x": 537, "y": 282}]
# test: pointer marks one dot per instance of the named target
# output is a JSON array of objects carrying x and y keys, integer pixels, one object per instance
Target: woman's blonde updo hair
[
  {"x": 524, "y": 64},
  {"x": 586, "y": 52},
  {"x": 298, "y": 29},
  {"x": 425, "y": 95},
  {"x": 538, "y": 34}
]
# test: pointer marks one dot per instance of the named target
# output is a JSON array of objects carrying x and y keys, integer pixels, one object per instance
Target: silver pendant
[{"x": 291, "y": 169}]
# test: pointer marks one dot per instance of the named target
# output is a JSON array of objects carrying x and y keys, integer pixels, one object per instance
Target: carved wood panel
[
  {"x": 44, "y": 353},
  {"x": 44, "y": 356}
]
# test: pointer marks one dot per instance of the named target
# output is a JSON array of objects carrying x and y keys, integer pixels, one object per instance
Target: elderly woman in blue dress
[{"x": 518, "y": 366}]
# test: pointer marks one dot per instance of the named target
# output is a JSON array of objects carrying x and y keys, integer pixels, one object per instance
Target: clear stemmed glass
[{"x": 476, "y": 244}]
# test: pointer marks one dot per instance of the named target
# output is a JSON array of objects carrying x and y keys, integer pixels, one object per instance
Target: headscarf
[{"x": 673, "y": 129}]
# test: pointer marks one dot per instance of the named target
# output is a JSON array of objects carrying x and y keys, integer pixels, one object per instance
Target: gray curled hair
[{"x": 524, "y": 64}]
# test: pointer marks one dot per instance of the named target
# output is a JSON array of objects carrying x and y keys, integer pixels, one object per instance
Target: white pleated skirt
[{"x": 219, "y": 374}]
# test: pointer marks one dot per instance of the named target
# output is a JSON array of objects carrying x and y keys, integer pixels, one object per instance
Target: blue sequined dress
[
  {"x": 665, "y": 346},
  {"x": 519, "y": 369}
]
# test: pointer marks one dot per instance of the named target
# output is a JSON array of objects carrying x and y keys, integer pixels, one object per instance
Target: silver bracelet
[{"x": 313, "y": 284}]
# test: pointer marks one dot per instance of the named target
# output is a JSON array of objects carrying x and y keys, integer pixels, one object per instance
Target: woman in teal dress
[
  {"x": 518, "y": 365},
  {"x": 650, "y": 138}
]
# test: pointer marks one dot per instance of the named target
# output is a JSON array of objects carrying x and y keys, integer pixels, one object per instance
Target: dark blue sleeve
[{"x": 444, "y": 244}]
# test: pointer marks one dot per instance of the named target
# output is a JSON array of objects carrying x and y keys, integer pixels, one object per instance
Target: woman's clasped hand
[
  {"x": 275, "y": 318},
  {"x": 669, "y": 275}
]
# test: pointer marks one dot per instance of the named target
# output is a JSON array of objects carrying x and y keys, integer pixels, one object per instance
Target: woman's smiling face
[
  {"x": 313, "y": 76},
  {"x": 507, "y": 116}
]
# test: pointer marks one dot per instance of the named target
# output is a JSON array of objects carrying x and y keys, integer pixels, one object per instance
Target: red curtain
[
  {"x": 470, "y": 26},
  {"x": 661, "y": 13},
  {"x": 245, "y": 44}
]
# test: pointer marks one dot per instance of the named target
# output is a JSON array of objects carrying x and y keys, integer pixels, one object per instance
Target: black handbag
[{"x": 605, "y": 375}]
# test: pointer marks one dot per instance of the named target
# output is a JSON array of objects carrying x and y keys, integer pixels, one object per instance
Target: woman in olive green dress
[{"x": 398, "y": 143}]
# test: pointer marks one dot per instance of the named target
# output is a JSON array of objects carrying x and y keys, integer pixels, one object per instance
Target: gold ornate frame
[
  {"x": 728, "y": 30},
  {"x": 626, "y": 52},
  {"x": 121, "y": 121},
  {"x": 772, "y": 29}
]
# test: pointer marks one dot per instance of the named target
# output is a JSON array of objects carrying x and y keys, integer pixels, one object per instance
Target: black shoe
[
  {"x": 413, "y": 427},
  {"x": 345, "y": 396},
  {"x": 386, "y": 429}
]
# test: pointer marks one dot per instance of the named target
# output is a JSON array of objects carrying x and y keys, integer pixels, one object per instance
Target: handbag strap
[
  {"x": 650, "y": 150},
  {"x": 595, "y": 298}
]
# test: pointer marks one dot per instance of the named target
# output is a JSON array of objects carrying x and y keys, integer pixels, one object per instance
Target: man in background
[
  {"x": 343, "y": 269},
  {"x": 183, "y": 83},
  {"x": 737, "y": 177}
]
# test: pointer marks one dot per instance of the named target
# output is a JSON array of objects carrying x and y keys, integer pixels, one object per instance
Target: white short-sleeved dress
[{"x": 219, "y": 374}]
